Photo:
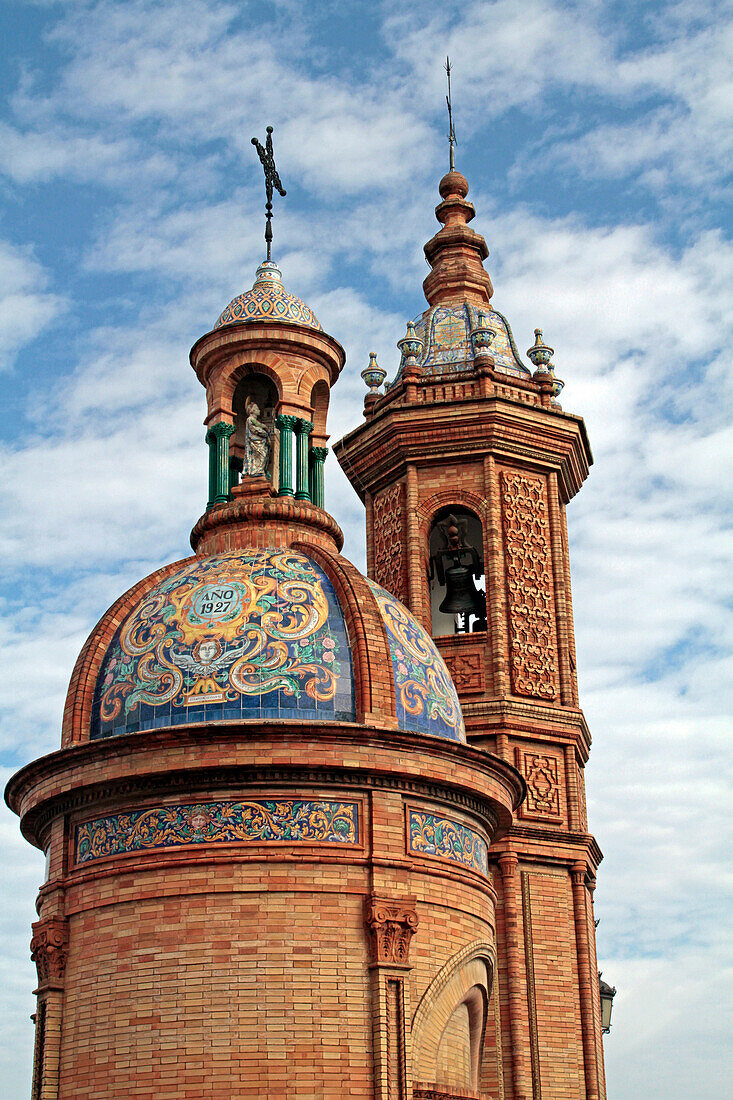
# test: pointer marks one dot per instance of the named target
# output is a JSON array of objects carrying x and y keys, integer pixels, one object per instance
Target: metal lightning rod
[{"x": 452, "y": 129}]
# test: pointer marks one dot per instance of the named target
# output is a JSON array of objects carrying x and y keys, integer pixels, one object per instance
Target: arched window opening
[
  {"x": 457, "y": 574},
  {"x": 252, "y": 447}
]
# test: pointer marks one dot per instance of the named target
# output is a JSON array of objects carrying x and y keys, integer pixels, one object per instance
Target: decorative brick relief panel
[
  {"x": 467, "y": 669},
  {"x": 541, "y": 772},
  {"x": 390, "y": 566},
  {"x": 529, "y": 586},
  {"x": 581, "y": 799}
]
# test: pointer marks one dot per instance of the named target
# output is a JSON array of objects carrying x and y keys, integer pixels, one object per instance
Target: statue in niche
[{"x": 257, "y": 441}]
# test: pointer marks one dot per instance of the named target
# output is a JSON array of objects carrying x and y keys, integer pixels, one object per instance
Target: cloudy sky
[{"x": 596, "y": 138}]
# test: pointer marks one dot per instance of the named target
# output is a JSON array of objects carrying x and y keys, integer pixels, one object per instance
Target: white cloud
[{"x": 27, "y": 305}]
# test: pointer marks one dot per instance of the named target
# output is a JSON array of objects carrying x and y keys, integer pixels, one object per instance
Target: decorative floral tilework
[
  {"x": 258, "y": 821},
  {"x": 445, "y": 335},
  {"x": 256, "y": 634},
  {"x": 427, "y": 701},
  {"x": 433, "y": 835}
]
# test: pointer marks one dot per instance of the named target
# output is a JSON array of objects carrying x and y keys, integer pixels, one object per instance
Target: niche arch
[
  {"x": 258, "y": 387},
  {"x": 467, "y": 524},
  {"x": 449, "y": 1025}
]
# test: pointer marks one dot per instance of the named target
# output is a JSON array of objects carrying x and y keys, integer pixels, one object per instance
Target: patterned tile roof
[
  {"x": 444, "y": 331},
  {"x": 268, "y": 300}
]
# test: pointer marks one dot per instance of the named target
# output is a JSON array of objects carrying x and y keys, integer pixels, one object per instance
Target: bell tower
[{"x": 465, "y": 465}]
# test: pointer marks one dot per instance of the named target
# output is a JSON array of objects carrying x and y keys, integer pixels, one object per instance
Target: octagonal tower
[
  {"x": 267, "y": 836},
  {"x": 465, "y": 464}
]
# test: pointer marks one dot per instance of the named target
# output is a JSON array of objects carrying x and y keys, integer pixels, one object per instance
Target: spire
[{"x": 456, "y": 253}]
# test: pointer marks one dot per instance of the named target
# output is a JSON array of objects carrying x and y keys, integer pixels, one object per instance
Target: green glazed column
[
  {"x": 318, "y": 459},
  {"x": 303, "y": 429},
  {"x": 286, "y": 427},
  {"x": 218, "y": 439}
]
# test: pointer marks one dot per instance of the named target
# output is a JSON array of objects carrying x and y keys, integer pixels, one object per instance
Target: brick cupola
[{"x": 267, "y": 835}]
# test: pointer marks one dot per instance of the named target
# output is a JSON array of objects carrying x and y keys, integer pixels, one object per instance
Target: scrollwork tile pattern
[
  {"x": 256, "y": 821},
  {"x": 433, "y": 835}
]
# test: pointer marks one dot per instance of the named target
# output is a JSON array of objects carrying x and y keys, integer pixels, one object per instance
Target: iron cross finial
[
  {"x": 272, "y": 179},
  {"x": 452, "y": 129}
]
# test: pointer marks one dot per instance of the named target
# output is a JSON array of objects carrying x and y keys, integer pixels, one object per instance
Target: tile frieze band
[
  {"x": 434, "y": 835},
  {"x": 258, "y": 821}
]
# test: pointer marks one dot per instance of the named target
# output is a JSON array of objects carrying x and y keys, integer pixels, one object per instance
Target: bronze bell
[{"x": 461, "y": 596}]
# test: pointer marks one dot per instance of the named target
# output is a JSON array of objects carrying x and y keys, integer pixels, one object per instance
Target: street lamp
[{"x": 608, "y": 992}]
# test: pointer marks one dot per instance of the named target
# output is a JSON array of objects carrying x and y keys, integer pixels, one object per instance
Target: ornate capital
[
  {"x": 49, "y": 948},
  {"x": 303, "y": 427},
  {"x": 221, "y": 430},
  {"x": 577, "y": 874},
  {"x": 392, "y": 922},
  {"x": 320, "y": 454},
  {"x": 285, "y": 422},
  {"x": 508, "y": 863}
]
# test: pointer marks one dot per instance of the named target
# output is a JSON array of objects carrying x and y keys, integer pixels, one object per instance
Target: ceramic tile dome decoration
[
  {"x": 268, "y": 300},
  {"x": 445, "y": 335},
  {"x": 257, "y": 634},
  {"x": 427, "y": 701}
]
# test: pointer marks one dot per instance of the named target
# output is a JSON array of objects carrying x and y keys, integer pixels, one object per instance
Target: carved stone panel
[
  {"x": 542, "y": 772},
  {"x": 391, "y": 923},
  {"x": 529, "y": 584},
  {"x": 390, "y": 565}
]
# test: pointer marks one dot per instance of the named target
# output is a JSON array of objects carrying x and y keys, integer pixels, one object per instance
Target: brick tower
[
  {"x": 267, "y": 835},
  {"x": 465, "y": 465}
]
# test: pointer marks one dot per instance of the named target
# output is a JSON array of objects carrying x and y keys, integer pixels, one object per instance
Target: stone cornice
[
  {"x": 215, "y": 757},
  {"x": 517, "y": 717},
  {"x": 219, "y": 344},
  {"x": 551, "y": 846},
  {"x": 380, "y": 449}
]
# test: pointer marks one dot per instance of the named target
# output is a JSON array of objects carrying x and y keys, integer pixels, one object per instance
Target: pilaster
[
  {"x": 391, "y": 923},
  {"x": 49, "y": 950}
]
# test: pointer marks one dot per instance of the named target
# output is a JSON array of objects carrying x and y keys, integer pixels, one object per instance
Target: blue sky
[{"x": 596, "y": 139}]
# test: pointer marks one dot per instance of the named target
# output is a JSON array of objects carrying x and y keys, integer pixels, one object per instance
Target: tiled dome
[
  {"x": 268, "y": 300},
  {"x": 259, "y": 634}
]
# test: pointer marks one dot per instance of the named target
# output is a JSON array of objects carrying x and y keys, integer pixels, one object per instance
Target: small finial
[
  {"x": 540, "y": 354},
  {"x": 373, "y": 374},
  {"x": 451, "y": 127},
  {"x": 272, "y": 179},
  {"x": 410, "y": 347},
  {"x": 482, "y": 337}
]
